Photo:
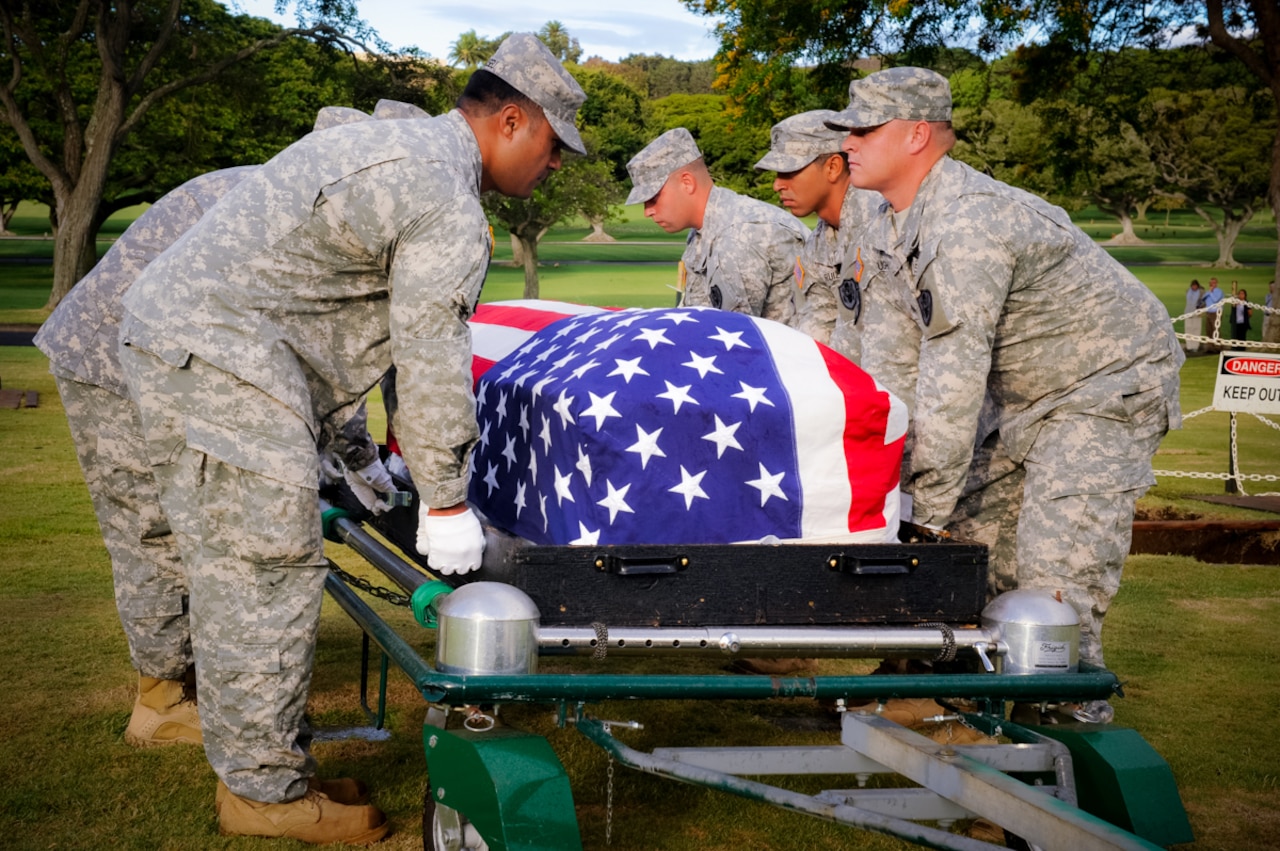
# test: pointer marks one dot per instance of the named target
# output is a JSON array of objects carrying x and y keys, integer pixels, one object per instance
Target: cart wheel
[{"x": 446, "y": 829}]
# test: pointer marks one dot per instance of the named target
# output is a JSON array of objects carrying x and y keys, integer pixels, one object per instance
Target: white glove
[
  {"x": 367, "y": 482},
  {"x": 453, "y": 543}
]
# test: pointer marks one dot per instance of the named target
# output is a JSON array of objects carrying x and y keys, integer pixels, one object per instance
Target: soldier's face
[
  {"x": 803, "y": 191},
  {"x": 668, "y": 208},
  {"x": 874, "y": 154},
  {"x": 531, "y": 153}
]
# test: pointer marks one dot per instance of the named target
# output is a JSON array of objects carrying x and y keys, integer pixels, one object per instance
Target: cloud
[{"x": 610, "y": 29}]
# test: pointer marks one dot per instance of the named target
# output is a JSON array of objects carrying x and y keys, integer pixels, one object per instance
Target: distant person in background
[
  {"x": 1194, "y": 324},
  {"x": 1240, "y": 314},
  {"x": 1213, "y": 303}
]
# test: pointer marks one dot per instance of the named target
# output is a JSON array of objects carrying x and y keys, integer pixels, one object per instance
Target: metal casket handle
[
  {"x": 857, "y": 566},
  {"x": 640, "y": 566}
]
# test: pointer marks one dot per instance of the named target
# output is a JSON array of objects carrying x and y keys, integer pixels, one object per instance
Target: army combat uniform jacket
[
  {"x": 742, "y": 257},
  {"x": 355, "y": 247},
  {"x": 829, "y": 303},
  {"x": 1001, "y": 294}
]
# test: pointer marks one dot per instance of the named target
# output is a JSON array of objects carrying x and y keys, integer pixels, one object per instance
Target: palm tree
[
  {"x": 470, "y": 51},
  {"x": 557, "y": 39}
]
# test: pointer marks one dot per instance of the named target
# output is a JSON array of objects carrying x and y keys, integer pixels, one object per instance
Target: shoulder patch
[{"x": 851, "y": 298}]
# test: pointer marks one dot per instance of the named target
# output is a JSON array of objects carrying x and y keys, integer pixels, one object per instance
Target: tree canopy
[{"x": 85, "y": 76}]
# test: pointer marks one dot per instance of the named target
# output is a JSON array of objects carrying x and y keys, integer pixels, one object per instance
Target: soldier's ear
[{"x": 510, "y": 118}]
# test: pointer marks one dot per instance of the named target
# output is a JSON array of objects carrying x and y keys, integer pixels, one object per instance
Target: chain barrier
[
  {"x": 608, "y": 805},
  {"x": 1237, "y": 476},
  {"x": 395, "y": 598}
]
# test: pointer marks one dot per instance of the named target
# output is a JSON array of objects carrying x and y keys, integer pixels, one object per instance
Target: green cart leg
[
  {"x": 1120, "y": 778},
  {"x": 504, "y": 785}
]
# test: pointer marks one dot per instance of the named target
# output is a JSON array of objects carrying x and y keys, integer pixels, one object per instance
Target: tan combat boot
[
  {"x": 163, "y": 715},
  {"x": 343, "y": 790},
  {"x": 313, "y": 818}
]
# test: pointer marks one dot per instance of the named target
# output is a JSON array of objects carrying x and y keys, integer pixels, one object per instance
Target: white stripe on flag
[{"x": 819, "y": 435}]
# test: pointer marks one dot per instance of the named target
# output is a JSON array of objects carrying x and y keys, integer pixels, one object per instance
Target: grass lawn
[{"x": 1193, "y": 643}]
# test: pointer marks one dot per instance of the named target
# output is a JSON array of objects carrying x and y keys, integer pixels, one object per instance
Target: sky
[{"x": 610, "y": 29}]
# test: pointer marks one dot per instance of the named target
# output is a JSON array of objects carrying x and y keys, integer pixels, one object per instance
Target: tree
[
  {"x": 1210, "y": 148},
  {"x": 1122, "y": 178},
  {"x": 562, "y": 45},
  {"x": 471, "y": 50},
  {"x": 730, "y": 144},
  {"x": 94, "y": 70},
  {"x": 19, "y": 181},
  {"x": 578, "y": 187},
  {"x": 1249, "y": 30}
]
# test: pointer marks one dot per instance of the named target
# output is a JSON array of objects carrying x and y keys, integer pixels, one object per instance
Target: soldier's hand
[
  {"x": 452, "y": 543},
  {"x": 366, "y": 483}
]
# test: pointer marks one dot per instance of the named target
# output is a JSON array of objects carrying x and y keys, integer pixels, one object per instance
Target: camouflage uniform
[
  {"x": 743, "y": 256},
  {"x": 831, "y": 304},
  {"x": 80, "y": 337},
  {"x": 1080, "y": 363},
  {"x": 282, "y": 308},
  {"x": 1034, "y": 346},
  {"x": 351, "y": 249}
]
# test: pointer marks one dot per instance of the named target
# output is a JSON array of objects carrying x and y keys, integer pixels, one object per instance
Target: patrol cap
[
  {"x": 385, "y": 109},
  {"x": 526, "y": 64},
  {"x": 916, "y": 94},
  {"x": 650, "y": 168},
  {"x": 799, "y": 140}
]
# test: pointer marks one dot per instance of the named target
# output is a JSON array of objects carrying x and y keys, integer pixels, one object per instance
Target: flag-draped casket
[
  {"x": 682, "y": 425},
  {"x": 621, "y": 450}
]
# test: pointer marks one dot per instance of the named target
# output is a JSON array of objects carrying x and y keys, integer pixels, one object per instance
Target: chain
[
  {"x": 608, "y": 805},
  {"x": 948, "y": 651},
  {"x": 395, "y": 598},
  {"x": 1235, "y": 459},
  {"x": 602, "y": 640}
]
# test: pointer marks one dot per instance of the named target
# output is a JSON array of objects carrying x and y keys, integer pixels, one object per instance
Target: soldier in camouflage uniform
[
  {"x": 740, "y": 253},
  {"x": 351, "y": 250},
  {"x": 813, "y": 177},
  {"x": 1025, "y": 340},
  {"x": 81, "y": 339}
]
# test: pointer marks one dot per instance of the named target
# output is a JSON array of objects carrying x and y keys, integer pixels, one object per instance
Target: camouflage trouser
[
  {"x": 237, "y": 472},
  {"x": 1063, "y": 520},
  {"x": 150, "y": 587}
]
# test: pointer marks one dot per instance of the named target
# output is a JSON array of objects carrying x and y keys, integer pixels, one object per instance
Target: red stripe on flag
[
  {"x": 524, "y": 318},
  {"x": 874, "y": 466},
  {"x": 479, "y": 366}
]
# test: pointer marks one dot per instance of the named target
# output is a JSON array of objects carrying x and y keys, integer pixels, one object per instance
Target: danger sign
[{"x": 1249, "y": 383}]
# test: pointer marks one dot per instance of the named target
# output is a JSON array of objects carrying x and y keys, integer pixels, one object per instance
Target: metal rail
[{"x": 816, "y": 641}]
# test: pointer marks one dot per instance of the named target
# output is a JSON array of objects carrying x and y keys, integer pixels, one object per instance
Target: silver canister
[
  {"x": 1041, "y": 633},
  {"x": 487, "y": 628}
]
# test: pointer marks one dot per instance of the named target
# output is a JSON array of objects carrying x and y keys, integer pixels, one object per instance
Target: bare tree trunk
[
  {"x": 1226, "y": 234},
  {"x": 74, "y": 249},
  {"x": 1142, "y": 208},
  {"x": 597, "y": 231},
  {"x": 529, "y": 249},
  {"x": 7, "y": 211},
  {"x": 1127, "y": 236},
  {"x": 517, "y": 250}
]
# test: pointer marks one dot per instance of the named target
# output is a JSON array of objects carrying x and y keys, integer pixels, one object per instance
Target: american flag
[{"x": 682, "y": 425}]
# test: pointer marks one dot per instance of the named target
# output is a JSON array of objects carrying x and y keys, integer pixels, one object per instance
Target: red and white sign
[{"x": 1248, "y": 383}]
